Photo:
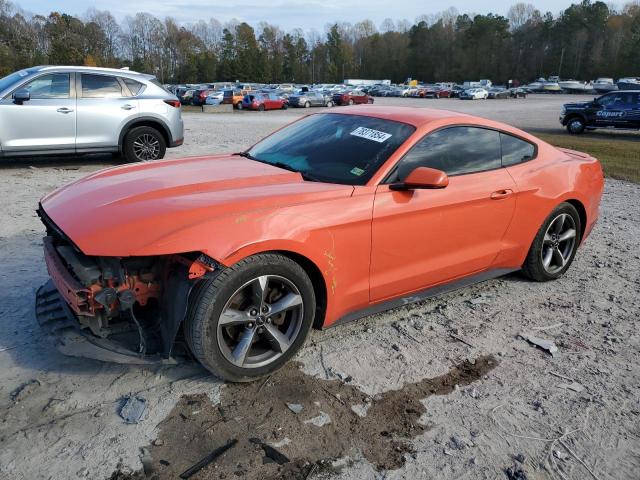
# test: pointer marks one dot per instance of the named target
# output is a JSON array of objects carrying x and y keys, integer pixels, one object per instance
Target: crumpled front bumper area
[{"x": 57, "y": 319}]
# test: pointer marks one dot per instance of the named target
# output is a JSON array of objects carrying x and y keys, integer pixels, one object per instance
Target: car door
[
  {"x": 611, "y": 110},
  {"x": 45, "y": 122},
  {"x": 105, "y": 106},
  {"x": 421, "y": 238}
]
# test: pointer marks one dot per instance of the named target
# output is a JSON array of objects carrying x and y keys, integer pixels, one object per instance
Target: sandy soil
[{"x": 59, "y": 416}]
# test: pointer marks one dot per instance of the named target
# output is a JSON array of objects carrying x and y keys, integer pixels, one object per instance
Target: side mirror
[
  {"x": 21, "y": 96},
  {"x": 422, "y": 177}
]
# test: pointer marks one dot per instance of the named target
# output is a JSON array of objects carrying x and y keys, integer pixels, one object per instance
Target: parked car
[
  {"x": 620, "y": 110},
  {"x": 310, "y": 99},
  {"x": 518, "y": 92},
  {"x": 200, "y": 96},
  {"x": 244, "y": 253},
  {"x": 474, "y": 94},
  {"x": 214, "y": 98},
  {"x": 433, "y": 91},
  {"x": 65, "y": 110},
  {"x": 351, "y": 98},
  {"x": 499, "y": 93},
  {"x": 185, "y": 98},
  {"x": 234, "y": 97},
  {"x": 456, "y": 90},
  {"x": 263, "y": 101}
]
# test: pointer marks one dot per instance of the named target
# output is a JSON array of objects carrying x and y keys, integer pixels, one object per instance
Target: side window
[
  {"x": 55, "y": 85},
  {"x": 514, "y": 150},
  {"x": 134, "y": 87},
  {"x": 100, "y": 86},
  {"x": 455, "y": 151}
]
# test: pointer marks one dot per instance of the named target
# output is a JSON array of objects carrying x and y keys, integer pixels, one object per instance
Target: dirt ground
[{"x": 442, "y": 389}]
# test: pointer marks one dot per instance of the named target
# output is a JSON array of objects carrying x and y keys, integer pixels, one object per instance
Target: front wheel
[
  {"x": 261, "y": 107},
  {"x": 239, "y": 106},
  {"x": 143, "y": 144},
  {"x": 252, "y": 318},
  {"x": 350, "y": 102},
  {"x": 555, "y": 245},
  {"x": 575, "y": 126},
  {"x": 329, "y": 104}
]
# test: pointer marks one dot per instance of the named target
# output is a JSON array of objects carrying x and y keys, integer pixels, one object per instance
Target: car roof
[
  {"x": 412, "y": 115},
  {"x": 42, "y": 68}
]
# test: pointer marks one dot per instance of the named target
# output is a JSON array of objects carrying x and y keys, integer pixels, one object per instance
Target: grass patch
[{"x": 620, "y": 157}]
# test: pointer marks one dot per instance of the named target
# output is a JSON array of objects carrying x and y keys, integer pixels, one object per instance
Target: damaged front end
[{"x": 116, "y": 309}]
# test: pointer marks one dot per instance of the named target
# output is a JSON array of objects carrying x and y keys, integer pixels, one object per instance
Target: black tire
[
  {"x": 210, "y": 297},
  {"x": 575, "y": 125},
  {"x": 533, "y": 267},
  {"x": 285, "y": 106},
  {"x": 239, "y": 105},
  {"x": 261, "y": 107},
  {"x": 137, "y": 136}
]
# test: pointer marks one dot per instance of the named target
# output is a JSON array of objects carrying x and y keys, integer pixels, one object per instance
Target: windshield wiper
[
  {"x": 284, "y": 166},
  {"x": 247, "y": 155}
]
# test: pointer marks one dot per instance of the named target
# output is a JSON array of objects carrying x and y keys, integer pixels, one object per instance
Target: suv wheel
[
  {"x": 575, "y": 125},
  {"x": 252, "y": 318},
  {"x": 239, "y": 105},
  {"x": 142, "y": 144}
]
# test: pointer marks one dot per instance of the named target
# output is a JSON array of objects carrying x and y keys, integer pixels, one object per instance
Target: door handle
[
  {"x": 127, "y": 107},
  {"x": 500, "y": 194},
  {"x": 64, "y": 110}
]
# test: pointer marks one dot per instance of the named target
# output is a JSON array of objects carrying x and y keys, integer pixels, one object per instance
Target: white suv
[{"x": 68, "y": 110}]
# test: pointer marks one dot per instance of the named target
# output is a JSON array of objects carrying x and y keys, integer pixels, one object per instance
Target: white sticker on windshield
[{"x": 371, "y": 134}]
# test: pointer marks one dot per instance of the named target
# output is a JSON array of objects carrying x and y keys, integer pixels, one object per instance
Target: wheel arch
[
  {"x": 145, "y": 122},
  {"x": 582, "y": 213},
  {"x": 571, "y": 115}
]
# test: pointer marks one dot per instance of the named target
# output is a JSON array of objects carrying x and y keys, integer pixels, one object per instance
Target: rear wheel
[
  {"x": 575, "y": 125},
  {"x": 285, "y": 106},
  {"x": 307, "y": 104},
  {"x": 261, "y": 107},
  {"x": 350, "y": 102},
  {"x": 239, "y": 105},
  {"x": 555, "y": 245},
  {"x": 329, "y": 104},
  {"x": 143, "y": 144},
  {"x": 252, "y": 318}
]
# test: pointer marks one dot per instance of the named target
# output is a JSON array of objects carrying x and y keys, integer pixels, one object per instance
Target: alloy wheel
[
  {"x": 558, "y": 243},
  {"x": 260, "y": 321},
  {"x": 146, "y": 147},
  {"x": 576, "y": 126}
]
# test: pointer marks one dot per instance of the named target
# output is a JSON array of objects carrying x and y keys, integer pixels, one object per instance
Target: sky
[{"x": 287, "y": 14}]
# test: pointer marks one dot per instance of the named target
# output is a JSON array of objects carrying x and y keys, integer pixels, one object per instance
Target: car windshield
[
  {"x": 9, "y": 80},
  {"x": 333, "y": 148}
]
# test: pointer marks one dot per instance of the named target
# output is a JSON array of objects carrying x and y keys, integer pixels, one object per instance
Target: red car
[
  {"x": 264, "y": 101},
  {"x": 433, "y": 91},
  {"x": 351, "y": 98},
  {"x": 337, "y": 216}
]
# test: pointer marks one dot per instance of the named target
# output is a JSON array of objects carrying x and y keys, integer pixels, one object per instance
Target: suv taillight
[{"x": 173, "y": 103}]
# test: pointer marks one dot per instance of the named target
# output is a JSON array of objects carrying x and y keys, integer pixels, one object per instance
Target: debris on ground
[
  {"x": 561, "y": 455},
  {"x": 295, "y": 407},
  {"x": 24, "y": 390},
  {"x": 575, "y": 386},
  {"x": 133, "y": 409},
  {"x": 360, "y": 410},
  {"x": 547, "y": 345},
  {"x": 275, "y": 444},
  {"x": 516, "y": 473},
  {"x": 208, "y": 459},
  {"x": 320, "y": 421}
]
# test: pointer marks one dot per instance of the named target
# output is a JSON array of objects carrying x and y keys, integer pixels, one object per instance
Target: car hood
[
  {"x": 129, "y": 210},
  {"x": 576, "y": 105}
]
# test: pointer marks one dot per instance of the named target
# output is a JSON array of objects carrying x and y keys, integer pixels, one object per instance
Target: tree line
[{"x": 585, "y": 41}]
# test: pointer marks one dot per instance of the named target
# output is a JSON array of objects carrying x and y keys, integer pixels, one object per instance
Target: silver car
[{"x": 67, "y": 110}]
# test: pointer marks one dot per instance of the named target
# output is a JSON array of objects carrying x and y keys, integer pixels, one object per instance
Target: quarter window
[
  {"x": 455, "y": 151},
  {"x": 514, "y": 150},
  {"x": 100, "y": 86},
  {"x": 55, "y": 85},
  {"x": 134, "y": 87}
]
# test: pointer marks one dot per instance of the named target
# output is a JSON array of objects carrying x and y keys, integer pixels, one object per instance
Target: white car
[{"x": 474, "y": 94}]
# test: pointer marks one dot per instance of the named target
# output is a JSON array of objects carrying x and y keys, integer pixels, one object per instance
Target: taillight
[{"x": 173, "y": 103}]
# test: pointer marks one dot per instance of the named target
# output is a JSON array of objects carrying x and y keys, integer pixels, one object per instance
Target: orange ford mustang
[{"x": 336, "y": 216}]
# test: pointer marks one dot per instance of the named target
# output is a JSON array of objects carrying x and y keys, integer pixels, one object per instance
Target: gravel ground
[{"x": 58, "y": 415}]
